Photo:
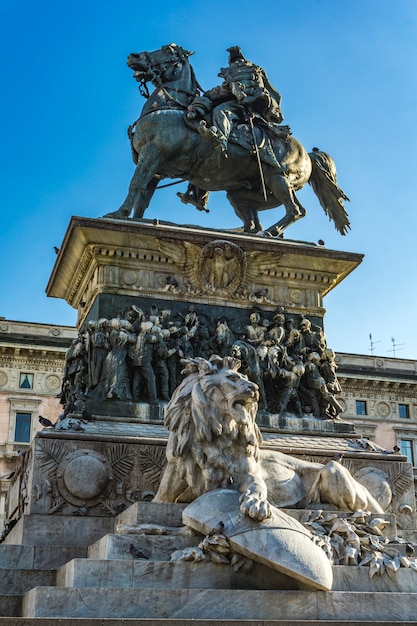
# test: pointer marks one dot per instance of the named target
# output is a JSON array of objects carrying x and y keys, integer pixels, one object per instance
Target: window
[
  {"x": 403, "y": 411},
  {"x": 26, "y": 381},
  {"x": 361, "y": 407},
  {"x": 22, "y": 427},
  {"x": 406, "y": 446}
]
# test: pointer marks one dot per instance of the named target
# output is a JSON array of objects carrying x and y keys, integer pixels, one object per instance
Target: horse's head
[
  {"x": 222, "y": 331},
  {"x": 159, "y": 66}
]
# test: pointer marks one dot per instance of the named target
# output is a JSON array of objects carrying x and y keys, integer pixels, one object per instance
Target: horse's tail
[{"x": 323, "y": 179}]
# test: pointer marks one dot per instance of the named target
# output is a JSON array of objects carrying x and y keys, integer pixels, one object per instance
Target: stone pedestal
[{"x": 106, "y": 265}]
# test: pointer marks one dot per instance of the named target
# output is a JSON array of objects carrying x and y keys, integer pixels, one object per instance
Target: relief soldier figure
[
  {"x": 137, "y": 356},
  {"x": 143, "y": 373}
]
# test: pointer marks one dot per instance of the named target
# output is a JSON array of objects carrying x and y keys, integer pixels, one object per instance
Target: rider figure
[{"x": 245, "y": 91}]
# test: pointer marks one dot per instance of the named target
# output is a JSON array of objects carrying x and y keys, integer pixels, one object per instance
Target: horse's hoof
[{"x": 119, "y": 215}]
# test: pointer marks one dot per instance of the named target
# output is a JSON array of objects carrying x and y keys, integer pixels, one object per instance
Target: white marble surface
[{"x": 280, "y": 542}]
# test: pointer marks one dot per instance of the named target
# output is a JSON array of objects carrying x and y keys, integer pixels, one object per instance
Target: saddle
[{"x": 245, "y": 136}]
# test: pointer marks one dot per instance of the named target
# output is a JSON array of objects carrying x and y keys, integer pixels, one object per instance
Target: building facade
[
  {"x": 32, "y": 359},
  {"x": 380, "y": 397}
]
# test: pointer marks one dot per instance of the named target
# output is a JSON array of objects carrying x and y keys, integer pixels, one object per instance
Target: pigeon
[
  {"x": 45, "y": 422},
  {"x": 409, "y": 550},
  {"x": 120, "y": 507},
  {"x": 218, "y": 529},
  {"x": 82, "y": 511},
  {"x": 228, "y": 483},
  {"x": 135, "y": 553},
  {"x": 170, "y": 280},
  {"x": 87, "y": 416}
]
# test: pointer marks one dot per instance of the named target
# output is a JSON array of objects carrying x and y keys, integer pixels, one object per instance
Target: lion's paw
[{"x": 255, "y": 507}]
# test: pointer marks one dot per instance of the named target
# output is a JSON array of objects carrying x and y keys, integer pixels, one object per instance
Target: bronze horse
[{"x": 166, "y": 147}]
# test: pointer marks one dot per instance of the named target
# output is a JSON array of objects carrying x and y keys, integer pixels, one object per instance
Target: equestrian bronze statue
[{"x": 228, "y": 138}]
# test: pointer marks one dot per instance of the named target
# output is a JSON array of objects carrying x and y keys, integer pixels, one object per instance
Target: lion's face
[{"x": 230, "y": 387}]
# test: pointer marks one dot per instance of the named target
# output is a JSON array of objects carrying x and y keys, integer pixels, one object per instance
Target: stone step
[
  {"x": 57, "y": 530},
  {"x": 165, "y": 575},
  {"x": 155, "y": 547},
  {"x": 152, "y": 513},
  {"x": 203, "y": 604},
  {"x": 10, "y": 607},
  {"x": 353, "y": 578},
  {"x": 140, "y": 574},
  {"x": 38, "y": 557},
  {"x": 82, "y": 621},
  {"x": 20, "y": 581}
]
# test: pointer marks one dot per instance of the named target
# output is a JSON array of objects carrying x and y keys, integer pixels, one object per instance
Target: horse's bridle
[{"x": 156, "y": 70}]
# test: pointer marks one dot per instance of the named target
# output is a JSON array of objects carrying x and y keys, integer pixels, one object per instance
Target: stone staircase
[{"x": 102, "y": 584}]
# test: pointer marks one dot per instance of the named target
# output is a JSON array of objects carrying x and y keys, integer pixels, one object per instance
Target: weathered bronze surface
[{"x": 228, "y": 138}]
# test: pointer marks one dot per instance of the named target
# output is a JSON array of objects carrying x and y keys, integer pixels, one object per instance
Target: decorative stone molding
[
  {"x": 383, "y": 409},
  {"x": 53, "y": 382},
  {"x": 174, "y": 263}
]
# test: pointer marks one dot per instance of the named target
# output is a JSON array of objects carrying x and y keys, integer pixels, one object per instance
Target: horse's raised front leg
[
  {"x": 142, "y": 185},
  {"x": 284, "y": 194}
]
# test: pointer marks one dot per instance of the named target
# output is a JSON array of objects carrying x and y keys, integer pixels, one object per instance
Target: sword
[{"x": 258, "y": 156}]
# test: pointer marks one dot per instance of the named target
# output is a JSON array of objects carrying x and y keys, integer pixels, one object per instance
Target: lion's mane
[{"x": 211, "y": 416}]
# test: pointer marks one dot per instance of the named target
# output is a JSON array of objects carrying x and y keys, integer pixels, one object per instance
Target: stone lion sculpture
[{"x": 214, "y": 442}]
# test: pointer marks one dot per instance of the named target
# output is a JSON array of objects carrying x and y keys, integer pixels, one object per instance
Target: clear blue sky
[{"x": 347, "y": 73}]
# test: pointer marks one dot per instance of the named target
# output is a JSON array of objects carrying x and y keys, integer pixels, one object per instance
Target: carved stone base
[
  {"x": 105, "y": 265},
  {"x": 110, "y": 465}
]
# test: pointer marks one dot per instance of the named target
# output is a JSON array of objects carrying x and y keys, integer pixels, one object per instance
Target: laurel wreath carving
[
  {"x": 49, "y": 456},
  {"x": 400, "y": 477},
  {"x": 121, "y": 459},
  {"x": 151, "y": 462}
]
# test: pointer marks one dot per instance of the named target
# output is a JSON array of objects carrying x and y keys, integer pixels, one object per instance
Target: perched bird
[
  {"x": 409, "y": 550},
  {"x": 135, "y": 553},
  {"x": 56, "y": 250},
  {"x": 82, "y": 511},
  {"x": 120, "y": 507},
  {"x": 228, "y": 483},
  {"x": 45, "y": 422},
  {"x": 217, "y": 529},
  {"x": 170, "y": 280},
  {"x": 87, "y": 416}
]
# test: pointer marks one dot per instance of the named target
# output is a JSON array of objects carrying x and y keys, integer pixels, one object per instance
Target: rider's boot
[{"x": 212, "y": 136}]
